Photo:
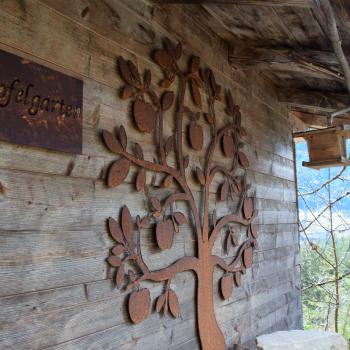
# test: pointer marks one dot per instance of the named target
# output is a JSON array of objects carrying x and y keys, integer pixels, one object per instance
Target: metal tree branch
[{"x": 149, "y": 110}]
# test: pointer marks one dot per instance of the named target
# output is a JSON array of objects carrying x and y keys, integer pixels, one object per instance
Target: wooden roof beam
[
  {"x": 317, "y": 121},
  {"x": 295, "y": 3},
  {"x": 319, "y": 102},
  {"x": 317, "y": 64}
]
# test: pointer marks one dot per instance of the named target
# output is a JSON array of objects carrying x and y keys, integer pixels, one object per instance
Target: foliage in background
[{"x": 324, "y": 212}]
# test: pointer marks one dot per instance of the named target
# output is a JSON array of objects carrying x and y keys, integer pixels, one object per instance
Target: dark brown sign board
[{"x": 39, "y": 106}]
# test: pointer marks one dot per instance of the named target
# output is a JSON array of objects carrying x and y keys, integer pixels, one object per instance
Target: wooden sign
[{"x": 39, "y": 106}]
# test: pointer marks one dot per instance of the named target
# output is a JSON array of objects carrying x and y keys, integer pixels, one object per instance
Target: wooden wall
[{"x": 55, "y": 291}]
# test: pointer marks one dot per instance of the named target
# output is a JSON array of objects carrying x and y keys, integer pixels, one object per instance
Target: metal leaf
[
  {"x": 254, "y": 230},
  {"x": 180, "y": 218},
  {"x": 111, "y": 142},
  {"x": 139, "y": 305},
  {"x": 120, "y": 276},
  {"x": 228, "y": 146},
  {"x": 125, "y": 71},
  {"x": 156, "y": 203},
  {"x": 145, "y": 222},
  {"x": 195, "y": 63},
  {"x": 147, "y": 78},
  {"x": 248, "y": 257},
  {"x": 114, "y": 261},
  {"x": 126, "y": 223},
  {"x": 160, "y": 302},
  {"x": 243, "y": 160},
  {"x": 134, "y": 71},
  {"x": 117, "y": 250},
  {"x": 145, "y": 116},
  {"x": 224, "y": 191},
  {"x": 174, "y": 306},
  {"x": 122, "y": 137},
  {"x": 140, "y": 180},
  {"x": 169, "y": 144},
  {"x": 127, "y": 92},
  {"x": 115, "y": 230},
  {"x": 138, "y": 151},
  {"x": 167, "y": 100},
  {"x": 248, "y": 208},
  {"x": 163, "y": 58},
  {"x": 178, "y": 51},
  {"x": 170, "y": 47},
  {"x": 196, "y": 96},
  {"x": 165, "y": 234},
  {"x": 229, "y": 101},
  {"x": 118, "y": 172},
  {"x": 226, "y": 284},
  {"x": 196, "y": 136},
  {"x": 200, "y": 176}
]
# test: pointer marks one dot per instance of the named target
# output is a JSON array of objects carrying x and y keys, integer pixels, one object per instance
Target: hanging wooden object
[
  {"x": 163, "y": 221},
  {"x": 326, "y": 147}
]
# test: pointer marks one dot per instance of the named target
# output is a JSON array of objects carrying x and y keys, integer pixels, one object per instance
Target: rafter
[
  {"x": 313, "y": 63},
  {"x": 319, "y": 102},
  {"x": 296, "y": 3}
]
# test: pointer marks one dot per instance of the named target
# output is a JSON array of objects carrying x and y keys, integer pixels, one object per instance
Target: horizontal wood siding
[{"x": 55, "y": 286}]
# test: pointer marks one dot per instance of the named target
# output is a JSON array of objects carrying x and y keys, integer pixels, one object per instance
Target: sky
[{"x": 312, "y": 205}]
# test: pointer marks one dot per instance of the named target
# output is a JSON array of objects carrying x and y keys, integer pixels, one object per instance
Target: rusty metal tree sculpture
[{"x": 149, "y": 109}]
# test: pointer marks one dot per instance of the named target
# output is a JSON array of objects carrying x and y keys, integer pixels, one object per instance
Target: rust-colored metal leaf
[
  {"x": 167, "y": 100},
  {"x": 126, "y": 223},
  {"x": 229, "y": 101},
  {"x": 196, "y": 96},
  {"x": 254, "y": 230},
  {"x": 195, "y": 63},
  {"x": 228, "y": 243},
  {"x": 165, "y": 234},
  {"x": 118, "y": 172},
  {"x": 160, "y": 302},
  {"x": 164, "y": 59},
  {"x": 111, "y": 142},
  {"x": 196, "y": 136},
  {"x": 243, "y": 160},
  {"x": 120, "y": 276},
  {"x": 138, "y": 151},
  {"x": 169, "y": 144},
  {"x": 140, "y": 180},
  {"x": 125, "y": 71},
  {"x": 174, "y": 306},
  {"x": 145, "y": 116},
  {"x": 134, "y": 71},
  {"x": 115, "y": 230},
  {"x": 114, "y": 261},
  {"x": 169, "y": 47},
  {"x": 248, "y": 208},
  {"x": 168, "y": 181},
  {"x": 226, "y": 286},
  {"x": 212, "y": 81},
  {"x": 139, "y": 305},
  {"x": 209, "y": 118},
  {"x": 156, "y": 203},
  {"x": 147, "y": 79},
  {"x": 224, "y": 191},
  {"x": 166, "y": 83},
  {"x": 127, "y": 92},
  {"x": 178, "y": 51},
  {"x": 180, "y": 218},
  {"x": 200, "y": 176},
  {"x": 117, "y": 250},
  {"x": 145, "y": 222},
  {"x": 122, "y": 137},
  {"x": 248, "y": 257},
  {"x": 237, "y": 278},
  {"x": 228, "y": 146}
]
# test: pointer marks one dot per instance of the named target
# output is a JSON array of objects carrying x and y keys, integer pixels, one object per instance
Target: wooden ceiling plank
[
  {"x": 296, "y": 3},
  {"x": 318, "y": 64}
]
